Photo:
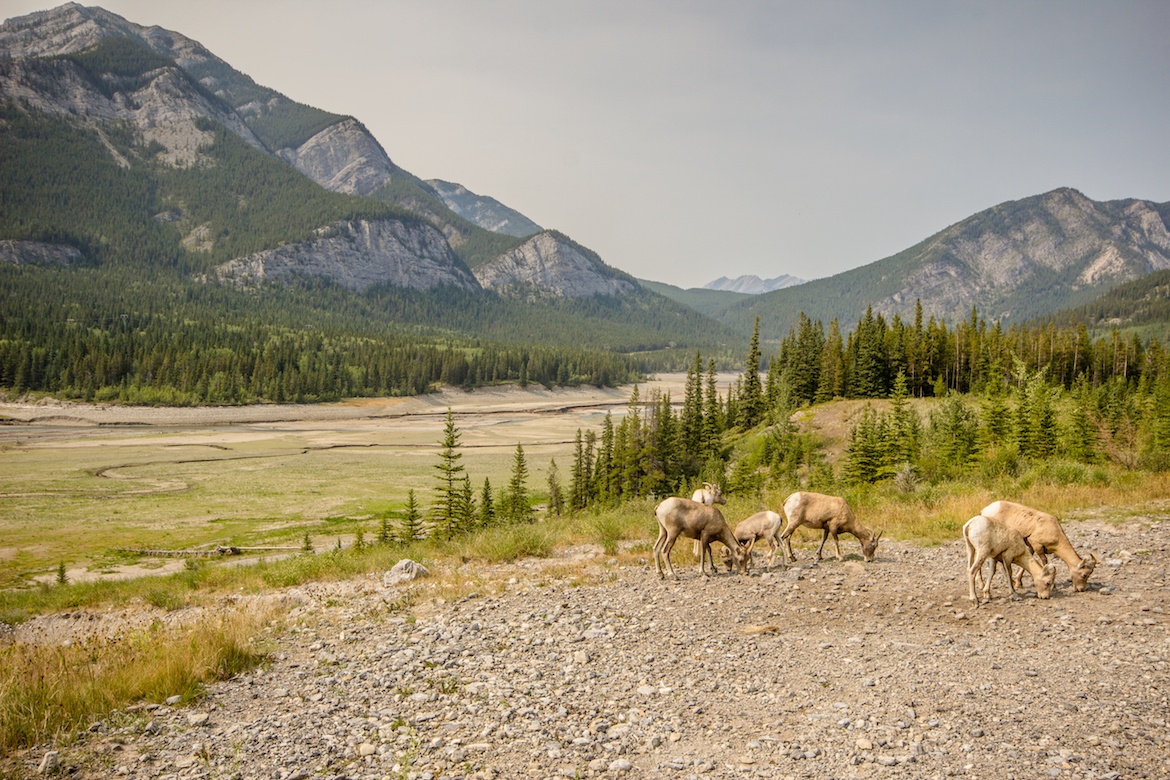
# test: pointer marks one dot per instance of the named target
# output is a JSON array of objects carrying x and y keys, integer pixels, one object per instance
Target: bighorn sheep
[
  {"x": 705, "y": 524},
  {"x": 1043, "y": 534},
  {"x": 990, "y": 538},
  {"x": 832, "y": 515},
  {"x": 710, "y": 494},
  {"x": 762, "y": 525}
]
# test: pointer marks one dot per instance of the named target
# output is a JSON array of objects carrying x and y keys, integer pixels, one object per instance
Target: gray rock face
[
  {"x": 37, "y": 253},
  {"x": 550, "y": 264},
  {"x": 1069, "y": 237},
  {"x": 486, "y": 212},
  {"x": 358, "y": 255},
  {"x": 343, "y": 158},
  {"x": 164, "y": 109}
]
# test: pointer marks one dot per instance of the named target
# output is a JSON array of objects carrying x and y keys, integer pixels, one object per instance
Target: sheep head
[
  {"x": 1045, "y": 582},
  {"x": 869, "y": 548},
  {"x": 1080, "y": 574}
]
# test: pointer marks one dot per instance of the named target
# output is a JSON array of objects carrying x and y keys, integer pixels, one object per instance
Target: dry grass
[{"x": 50, "y": 691}]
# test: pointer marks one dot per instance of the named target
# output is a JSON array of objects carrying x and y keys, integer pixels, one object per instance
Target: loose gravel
[{"x": 836, "y": 670}]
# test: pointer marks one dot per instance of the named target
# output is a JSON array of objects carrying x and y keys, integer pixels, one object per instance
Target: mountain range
[
  {"x": 121, "y": 144},
  {"x": 752, "y": 284}
]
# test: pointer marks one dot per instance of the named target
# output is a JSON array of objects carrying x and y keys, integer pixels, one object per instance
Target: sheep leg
[
  {"x": 670, "y": 540},
  {"x": 658, "y": 545},
  {"x": 973, "y": 566},
  {"x": 824, "y": 538},
  {"x": 837, "y": 544}
]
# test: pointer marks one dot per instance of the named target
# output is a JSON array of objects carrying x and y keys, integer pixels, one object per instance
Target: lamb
[
  {"x": 832, "y": 515},
  {"x": 684, "y": 517},
  {"x": 991, "y": 538},
  {"x": 1043, "y": 534},
  {"x": 710, "y": 494},
  {"x": 762, "y": 525}
]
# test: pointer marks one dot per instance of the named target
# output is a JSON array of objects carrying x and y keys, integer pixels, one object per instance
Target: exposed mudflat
[{"x": 837, "y": 670}]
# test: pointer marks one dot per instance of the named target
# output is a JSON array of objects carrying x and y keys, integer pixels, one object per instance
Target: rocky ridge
[
  {"x": 482, "y": 210},
  {"x": 843, "y": 670},
  {"x": 1065, "y": 236},
  {"x": 551, "y": 264},
  {"x": 357, "y": 255}
]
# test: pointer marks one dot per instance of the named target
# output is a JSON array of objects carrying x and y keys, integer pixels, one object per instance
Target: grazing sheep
[
  {"x": 832, "y": 515},
  {"x": 683, "y": 517},
  {"x": 710, "y": 494},
  {"x": 990, "y": 538},
  {"x": 1043, "y": 534},
  {"x": 762, "y": 525}
]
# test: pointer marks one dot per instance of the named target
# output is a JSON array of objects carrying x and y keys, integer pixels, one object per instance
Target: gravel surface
[{"x": 837, "y": 670}]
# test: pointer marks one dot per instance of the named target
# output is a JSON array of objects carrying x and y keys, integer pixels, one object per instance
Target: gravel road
[{"x": 837, "y": 670}]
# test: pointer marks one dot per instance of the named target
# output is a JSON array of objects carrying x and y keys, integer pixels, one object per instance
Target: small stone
[
  {"x": 173, "y": 700},
  {"x": 976, "y": 732},
  {"x": 620, "y": 765},
  {"x": 864, "y": 744},
  {"x": 647, "y": 690},
  {"x": 580, "y": 657},
  {"x": 598, "y": 764},
  {"x": 49, "y": 763},
  {"x": 198, "y": 718},
  {"x": 367, "y": 749}
]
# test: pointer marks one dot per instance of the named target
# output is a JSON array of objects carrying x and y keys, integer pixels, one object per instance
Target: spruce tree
[
  {"x": 487, "y": 508},
  {"x": 905, "y": 427},
  {"x": 445, "y": 511},
  {"x": 865, "y": 454},
  {"x": 411, "y": 528},
  {"x": 556, "y": 499},
  {"x": 832, "y": 379},
  {"x": 467, "y": 513},
  {"x": 519, "y": 508},
  {"x": 751, "y": 398}
]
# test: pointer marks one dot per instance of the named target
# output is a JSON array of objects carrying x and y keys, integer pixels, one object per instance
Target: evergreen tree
[
  {"x": 751, "y": 398},
  {"x": 904, "y": 425},
  {"x": 519, "y": 510},
  {"x": 467, "y": 509},
  {"x": 865, "y": 453},
  {"x": 692, "y": 411},
  {"x": 712, "y": 413},
  {"x": 411, "y": 528},
  {"x": 487, "y": 509},
  {"x": 385, "y": 532},
  {"x": 1081, "y": 433},
  {"x": 953, "y": 435},
  {"x": 556, "y": 499},
  {"x": 832, "y": 379},
  {"x": 446, "y": 510}
]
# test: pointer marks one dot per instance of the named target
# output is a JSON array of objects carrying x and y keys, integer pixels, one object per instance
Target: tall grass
[{"x": 47, "y": 692}]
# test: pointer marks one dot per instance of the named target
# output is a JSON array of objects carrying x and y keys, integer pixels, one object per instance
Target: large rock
[
  {"x": 550, "y": 264},
  {"x": 343, "y": 157},
  {"x": 358, "y": 255}
]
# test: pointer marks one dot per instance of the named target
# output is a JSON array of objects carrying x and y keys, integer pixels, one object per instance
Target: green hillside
[
  {"x": 1141, "y": 306},
  {"x": 712, "y": 303}
]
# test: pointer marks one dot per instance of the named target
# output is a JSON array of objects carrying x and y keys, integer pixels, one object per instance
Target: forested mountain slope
[{"x": 1014, "y": 261}]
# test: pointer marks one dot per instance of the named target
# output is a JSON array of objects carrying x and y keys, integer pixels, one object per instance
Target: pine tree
[
  {"x": 467, "y": 513},
  {"x": 832, "y": 380},
  {"x": 411, "y": 528},
  {"x": 487, "y": 509},
  {"x": 751, "y": 398},
  {"x": 905, "y": 427},
  {"x": 385, "y": 532},
  {"x": 445, "y": 511},
  {"x": 519, "y": 510},
  {"x": 556, "y": 499},
  {"x": 865, "y": 455},
  {"x": 712, "y": 413}
]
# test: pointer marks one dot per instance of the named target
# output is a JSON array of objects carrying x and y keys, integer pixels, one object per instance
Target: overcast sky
[{"x": 685, "y": 141}]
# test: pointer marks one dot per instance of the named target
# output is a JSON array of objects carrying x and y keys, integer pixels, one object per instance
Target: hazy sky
[{"x": 685, "y": 141}]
